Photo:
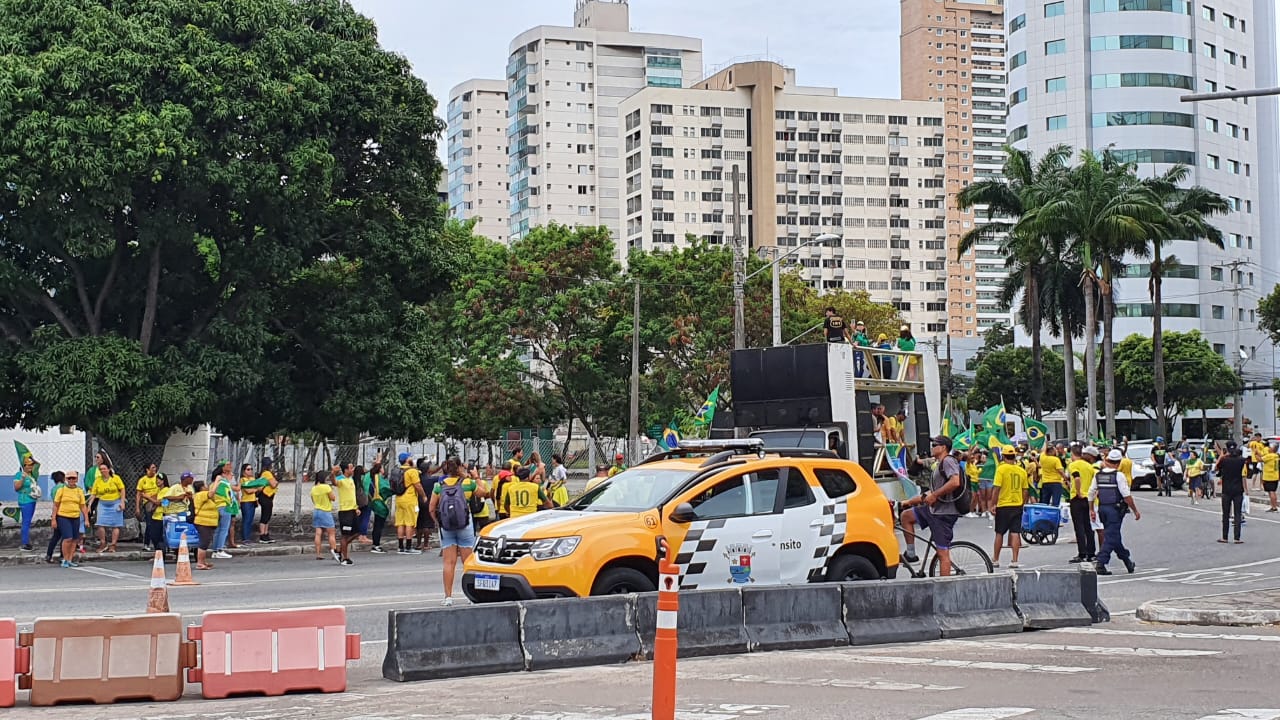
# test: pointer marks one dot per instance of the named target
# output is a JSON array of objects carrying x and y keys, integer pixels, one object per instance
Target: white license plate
[{"x": 488, "y": 582}]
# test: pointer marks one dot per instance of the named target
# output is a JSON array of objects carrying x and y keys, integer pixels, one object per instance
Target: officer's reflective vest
[{"x": 1108, "y": 484}]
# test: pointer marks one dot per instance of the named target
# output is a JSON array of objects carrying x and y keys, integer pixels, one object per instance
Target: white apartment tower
[
  {"x": 564, "y": 85},
  {"x": 477, "y": 155},
  {"x": 1099, "y": 73},
  {"x": 868, "y": 170}
]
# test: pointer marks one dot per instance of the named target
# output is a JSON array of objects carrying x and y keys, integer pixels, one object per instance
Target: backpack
[
  {"x": 396, "y": 480},
  {"x": 453, "y": 509},
  {"x": 362, "y": 492},
  {"x": 963, "y": 498}
]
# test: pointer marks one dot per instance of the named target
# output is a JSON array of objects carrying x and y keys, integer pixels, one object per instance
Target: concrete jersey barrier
[
  {"x": 895, "y": 611},
  {"x": 1049, "y": 599},
  {"x": 591, "y": 631},
  {"x": 794, "y": 617},
  {"x": 975, "y": 605},
  {"x": 710, "y": 622},
  {"x": 453, "y": 642}
]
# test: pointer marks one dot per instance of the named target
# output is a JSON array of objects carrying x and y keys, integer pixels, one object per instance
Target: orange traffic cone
[
  {"x": 158, "y": 597},
  {"x": 183, "y": 575}
]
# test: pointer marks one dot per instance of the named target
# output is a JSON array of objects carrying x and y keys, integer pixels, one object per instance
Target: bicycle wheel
[{"x": 966, "y": 559}]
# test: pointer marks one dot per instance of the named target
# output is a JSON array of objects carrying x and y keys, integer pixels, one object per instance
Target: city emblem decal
[{"x": 739, "y": 556}]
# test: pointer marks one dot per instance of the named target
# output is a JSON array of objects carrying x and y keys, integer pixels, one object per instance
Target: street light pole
[
  {"x": 739, "y": 270},
  {"x": 777, "y": 279},
  {"x": 633, "y": 446},
  {"x": 1231, "y": 95}
]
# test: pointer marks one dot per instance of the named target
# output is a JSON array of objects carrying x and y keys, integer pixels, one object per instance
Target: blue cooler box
[
  {"x": 1041, "y": 518},
  {"x": 173, "y": 532}
]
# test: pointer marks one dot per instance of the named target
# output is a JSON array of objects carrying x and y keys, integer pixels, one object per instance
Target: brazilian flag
[
  {"x": 707, "y": 412},
  {"x": 1037, "y": 434},
  {"x": 670, "y": 438}
]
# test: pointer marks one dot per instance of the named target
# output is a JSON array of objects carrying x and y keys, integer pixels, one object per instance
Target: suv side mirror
[{"x": 684, "y": 513}]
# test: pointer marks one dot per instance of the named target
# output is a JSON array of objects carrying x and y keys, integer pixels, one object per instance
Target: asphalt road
[{"x": 1146, "y": 675}]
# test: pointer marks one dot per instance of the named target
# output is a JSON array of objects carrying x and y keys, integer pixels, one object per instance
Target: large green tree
[
  {"x": 214, "y": 212},
  {"x": 1008, "y": 375},
  {"x": 1198, "y": 377}
]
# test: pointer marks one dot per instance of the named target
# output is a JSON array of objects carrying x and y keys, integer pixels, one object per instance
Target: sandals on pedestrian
[
  {"x": 1239, "y": 542},
  {"x": 1223, "y": 541}
]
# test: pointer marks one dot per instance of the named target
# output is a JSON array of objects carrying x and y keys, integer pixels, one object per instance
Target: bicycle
[{"x": 966, "y": 557}]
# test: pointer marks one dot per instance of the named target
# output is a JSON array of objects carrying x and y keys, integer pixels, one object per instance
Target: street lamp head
[{"x": 825, "y": 238}]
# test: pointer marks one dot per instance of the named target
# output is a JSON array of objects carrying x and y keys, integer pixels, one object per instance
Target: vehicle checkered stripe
[
  {"x": 698, "y": 545},
  {"x": 832, "y": 532}
]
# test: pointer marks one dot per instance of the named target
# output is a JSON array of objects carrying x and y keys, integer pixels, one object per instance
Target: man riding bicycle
[{"x": 935, "y": 509}]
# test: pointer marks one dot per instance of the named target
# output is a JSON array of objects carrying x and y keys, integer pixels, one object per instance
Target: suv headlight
[{"x": 552, "y": 548}]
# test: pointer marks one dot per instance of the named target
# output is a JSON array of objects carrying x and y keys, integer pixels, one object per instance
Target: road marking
[
  {"x": 1250, "y": 713},
  {"x": 108, "y": 573},
  {"x": 1167, "y": 634},
  {"x": 1087, "y": 649},
  {"x": 939, "y": 662},
  {"x": 980, "y": 713},
  {"x": 1217, "y": 578},
  {"x": 1138, "y": 578},
  {"x": 1218, "y": 513},
  {"x": 815, "y": 682}
]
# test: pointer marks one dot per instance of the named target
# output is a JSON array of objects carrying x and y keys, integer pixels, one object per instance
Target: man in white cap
[{"x": 1110, "y": 489}]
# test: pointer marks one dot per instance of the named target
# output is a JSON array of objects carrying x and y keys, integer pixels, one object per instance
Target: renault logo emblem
[{"x": 501, "y": 546}]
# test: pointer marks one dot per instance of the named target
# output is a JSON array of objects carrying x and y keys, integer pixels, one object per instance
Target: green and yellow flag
[
  {"x": 1037, "y": 433},
  {"x": 707, "y": 412}
]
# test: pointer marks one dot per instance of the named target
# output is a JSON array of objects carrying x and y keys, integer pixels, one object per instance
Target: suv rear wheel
[
  {"x": 848, "y": 568},
  {"x": 622, "y": 580}
]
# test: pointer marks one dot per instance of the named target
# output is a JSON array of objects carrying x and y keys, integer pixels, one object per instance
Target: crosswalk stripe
[
  {"x": 1245, "y": 714},
  {"x": 816, "y": 682},
  {"x": 1166, "y": 634},
  {"x": 1087, "y": 649},
  {"x": 980, "y": 713}
]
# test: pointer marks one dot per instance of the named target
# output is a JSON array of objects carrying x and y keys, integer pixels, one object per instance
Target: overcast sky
[{"x": 449, "y": 41}]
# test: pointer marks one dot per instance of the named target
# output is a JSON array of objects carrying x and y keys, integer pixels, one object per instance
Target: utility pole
[
  {"x": 777, "y": 299},
  {"x": 634, "y": 443},
  {"x": 739, "y": 270},
  {"x": 1237, "y": 404}
]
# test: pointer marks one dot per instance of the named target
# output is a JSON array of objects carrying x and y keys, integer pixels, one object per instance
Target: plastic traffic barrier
[
  {"x": 273, "y": 652},
  {"x": 107, "y": 659},
  {"x": 972, "y": 605},
  {"x": 1049, "y": 599},
  {"x": 14, "y": 661},
  {"x": 591, "y": 631},
  {"x": 793, "y": 617},
  {"x": 453, "y": 642},
  {"x": 889, "y": 612}
]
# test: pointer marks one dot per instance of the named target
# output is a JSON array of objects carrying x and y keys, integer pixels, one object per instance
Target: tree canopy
[
  {"x": 1006, "y": 375},
  {"x": 1198, "y": 377},
  {"x": 215, "y": 212}
]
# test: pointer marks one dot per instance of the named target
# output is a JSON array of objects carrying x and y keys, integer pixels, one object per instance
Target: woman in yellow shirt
[
  {"x": 108, "y": 488},
  {"x": 70, "y": 513},
  {"x": 205, "y": 507}
]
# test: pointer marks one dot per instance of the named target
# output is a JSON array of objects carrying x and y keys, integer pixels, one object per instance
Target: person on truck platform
[{"x": 834, "y": 327}]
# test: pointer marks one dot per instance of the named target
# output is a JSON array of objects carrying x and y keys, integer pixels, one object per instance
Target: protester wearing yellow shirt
[
  {"x": 407, "y": 506},
  {"x": 1080, "y": 472},
  {"x": 1271, "y": 475},
  {"x": 523, "y": 496},
  {"x": 147, "y": 504},
  {"x": 70, "y": 512},
  {"x": 1195, "y": 477},
  {"x": 266, "y": 501},
  {"x": 205, "y": 516},
  {"x": 1011, "y": 486},
  {"x": 322, "y": 499},
  {"x": 1052, "y": 477},
  {"x": 348, "y": 511}
]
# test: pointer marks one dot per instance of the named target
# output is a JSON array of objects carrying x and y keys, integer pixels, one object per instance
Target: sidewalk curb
[
  {"x": 37, "y": 558},
  {"x": 1161, "y": 611}
]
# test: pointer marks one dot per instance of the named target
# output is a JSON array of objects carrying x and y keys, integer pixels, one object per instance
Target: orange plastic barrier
[
  {"x": 13, "y": 662},
  {"x": 273, "y": 652},
  {"x": 107, "y": 659}
]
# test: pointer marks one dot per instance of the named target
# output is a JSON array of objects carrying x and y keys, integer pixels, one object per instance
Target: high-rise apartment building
[
  {"x": 1109, "y": 73},
  {"x": 564, "y": 85},
  {"x": 477, "y": 155},
  {"x": 953, "y": 51},
  {"x": 812, "y": 162}
]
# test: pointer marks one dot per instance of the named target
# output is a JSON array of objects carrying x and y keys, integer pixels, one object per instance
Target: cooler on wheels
[{"x": 1040, "y": 524}]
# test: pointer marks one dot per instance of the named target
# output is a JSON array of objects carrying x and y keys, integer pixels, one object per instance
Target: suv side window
[
  {"x": 724, "y": 499},
  {"x": 798, "y": 492},
  {"x": 835, "y": 483},
  {"x": 764, "y": 489}
]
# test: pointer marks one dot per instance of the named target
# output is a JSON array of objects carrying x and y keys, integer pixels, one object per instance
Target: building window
[
  {"x": 1160, "y": 156},
  {"x": 1139, "y": 42},
  {"x": 1055, "y": 9},
  {"x": 1018, "y": 60},
  {"x": 1210, "y": 50},
  {"x": 1055, "y": 122},
  {"x": 1058, "y": 84},
  {"x": 1182, "y": 7},
  {"x": 1207, "y": 13},
  {"x": 1142, "y": 79},
  {"x": 1017, "y": 96},
  {"x": 1018, "y": 134},
  {"x": 1119, "y": 119},
  {"x": 1055, "y": 47},
  {"x": 1017, "y": 24}
]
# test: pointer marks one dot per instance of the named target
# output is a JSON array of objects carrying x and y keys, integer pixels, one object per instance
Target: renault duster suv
[{"x": 732, "y": 512}]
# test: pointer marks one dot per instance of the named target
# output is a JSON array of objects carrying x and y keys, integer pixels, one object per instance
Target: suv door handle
[
  {"x": 816, "y": 523},
  {"x": 762, "y": 535}
]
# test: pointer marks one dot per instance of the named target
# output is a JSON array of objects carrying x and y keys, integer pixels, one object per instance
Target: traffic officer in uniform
[{"x": 1110, "y": 490}]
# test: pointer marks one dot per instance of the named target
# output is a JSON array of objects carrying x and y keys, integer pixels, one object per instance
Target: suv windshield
[
  {"x": 812, "y": 439},
  {"x": 634, "y": 490}
]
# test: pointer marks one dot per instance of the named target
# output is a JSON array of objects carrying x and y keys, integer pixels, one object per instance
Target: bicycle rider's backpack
[
  {"x": 964, "y": 498},
  {"x": 454, "y": 511},
  {"x": 396, "y": 480}
]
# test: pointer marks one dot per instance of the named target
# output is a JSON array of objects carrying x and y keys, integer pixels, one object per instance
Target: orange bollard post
[
  {"x": 183, "y": 574},
  {"x": 665, "y": 644},
  {"x": 158, "y": 596}
]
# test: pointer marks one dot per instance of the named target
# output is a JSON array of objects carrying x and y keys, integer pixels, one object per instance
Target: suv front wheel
[
  {"x": 848, "y": 568},
  {"x": 622, "y": 580}
]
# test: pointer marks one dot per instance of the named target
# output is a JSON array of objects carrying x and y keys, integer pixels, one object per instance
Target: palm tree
[
  {"x": 1062, "y": 305},
  {"x": 1105, "y": 212},
  {"x": 1025, "y": 185},
  {"x": 1185, "y": 217}
]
